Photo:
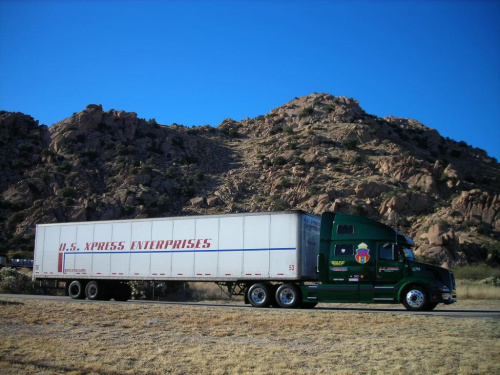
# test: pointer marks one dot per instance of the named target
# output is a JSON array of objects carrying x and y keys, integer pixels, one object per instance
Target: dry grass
[
  {"x": 475, "y": 290},
  {"x": 101, "y": 338}
]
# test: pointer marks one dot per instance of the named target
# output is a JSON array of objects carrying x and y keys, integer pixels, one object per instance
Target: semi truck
[{"x": 282, "y": 259}]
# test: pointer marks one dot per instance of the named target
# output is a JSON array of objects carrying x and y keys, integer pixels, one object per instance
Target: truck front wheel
[
  {"x": 259, "y": 295},
  {"x": 288, "y": 296},
  {"x": 415, "y": 299},
  {"x": 76, "y": 290}
]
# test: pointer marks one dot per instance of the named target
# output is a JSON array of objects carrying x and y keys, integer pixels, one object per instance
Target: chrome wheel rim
[
  {"x": 258, "y": 295},
  {"x": 415, "y": 298},
  {"x": 287, "y": 296}
]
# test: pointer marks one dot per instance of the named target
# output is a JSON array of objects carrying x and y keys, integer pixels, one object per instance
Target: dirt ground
[{"x": 55, "y": 337}]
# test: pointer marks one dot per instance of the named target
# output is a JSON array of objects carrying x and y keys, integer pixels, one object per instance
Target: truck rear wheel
[
  {"x": 76, "y": 290},
  {"x": 288, "y": 296},
  {"x": 94, "y": 291},
  {"x": 415, "y": 299},
  {"x": 259, "y": 295}
]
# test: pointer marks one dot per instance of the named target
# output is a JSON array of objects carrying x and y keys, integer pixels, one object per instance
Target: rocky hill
[{"x": 315, "y": 153}]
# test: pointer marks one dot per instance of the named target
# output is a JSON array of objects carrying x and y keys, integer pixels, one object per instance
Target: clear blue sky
[{"x": 199, "y": 62}]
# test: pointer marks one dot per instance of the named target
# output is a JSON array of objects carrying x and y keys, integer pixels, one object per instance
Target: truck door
[
  {"x": 390, "y": 270},
  {"x": 351, "y": 270}
]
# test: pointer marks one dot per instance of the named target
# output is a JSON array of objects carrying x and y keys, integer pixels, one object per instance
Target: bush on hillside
[
  {"x": 476, "y": 272},
  {"x": 13, "y": 281}
]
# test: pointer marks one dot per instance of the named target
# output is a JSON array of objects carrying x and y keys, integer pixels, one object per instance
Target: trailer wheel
[
  {"x": 259, "y": 295},
  {"x": 94, "y": 291},
  {"x": 415, "y": 299},
  {"x": 76, "y": 290},
  {"x": 288, "y": 296}
]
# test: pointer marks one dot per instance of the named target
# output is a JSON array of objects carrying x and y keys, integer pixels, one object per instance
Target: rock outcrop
[{"x": 316, "y": 153}]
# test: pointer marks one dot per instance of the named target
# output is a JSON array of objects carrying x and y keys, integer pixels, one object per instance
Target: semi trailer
[{"x": 284, "y": 259}]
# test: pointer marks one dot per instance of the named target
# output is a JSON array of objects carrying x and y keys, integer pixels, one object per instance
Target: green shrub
[
  {"x": 357, "y": 210},
  {"x": 65, "y": 167},
  {"x": 90, "y": 154},
  {"x": 128, "y": 210},
  {"x": 279, "y": 204},
  {"x": 276, "y": 130},
  {"x": 476, "y": 272},
  {"x": 171, "y": 172},
  {"x": 12, "y": 281},
  {"x": 349, "y": 144},
  {"x": 279, "y": 160},
  {"x": 68, "y": 192},
  {"x": 69, "y": 201},
  {"x": 164, "y": 202},
  {"x": 187, "y": 191},
  {"x": 306, "y": 112}
]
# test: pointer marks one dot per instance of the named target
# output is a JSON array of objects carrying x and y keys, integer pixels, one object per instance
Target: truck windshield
[{"x": 408, "y": 253}]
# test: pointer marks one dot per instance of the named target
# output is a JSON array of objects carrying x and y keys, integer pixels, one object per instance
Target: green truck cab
[{"x": 363, "y": 261}]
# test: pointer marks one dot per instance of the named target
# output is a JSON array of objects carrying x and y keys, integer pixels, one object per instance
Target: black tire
[
  {"x": 431, "y": 306},
  {"x": 415, "y": 299},
  {"x": 122, "y": 292},
  {"x": 288, "y": 296},
  {"x": 76, "y": 290},
  {"x": 94, "y": 291},
  {"x": 259, "y": 295},
  {"x": 308, "y": 305}
]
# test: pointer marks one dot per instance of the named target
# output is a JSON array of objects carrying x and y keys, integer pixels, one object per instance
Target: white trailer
[{"x": 249, "y": 252}]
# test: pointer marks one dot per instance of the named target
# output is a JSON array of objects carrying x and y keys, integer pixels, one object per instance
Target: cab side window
[
  {"x": 345, "y": 229},
  {"x": 386, "y": 252},
  {"x": 344, "y": 250}
]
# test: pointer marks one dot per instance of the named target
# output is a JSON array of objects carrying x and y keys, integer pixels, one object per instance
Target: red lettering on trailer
[
  {"x": 87, "y": 246},
  {"x": 94, "y": 245},
  {"x": 177, "y": 244},
  {"x": 132, "y": 246},
  {"x": 152, "y": 245},
  {"x": 121, "y": 245},
  {"x": 198, "y": 243},
  {"x": 62, "y": 246},
  {"x": 206, "y": 243},
  {"x": 190, "y": 244},
  {"x": 159, "y": 244},
  {"x": 101, "y": 245},
  {"x": 168, "y": 243}
]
